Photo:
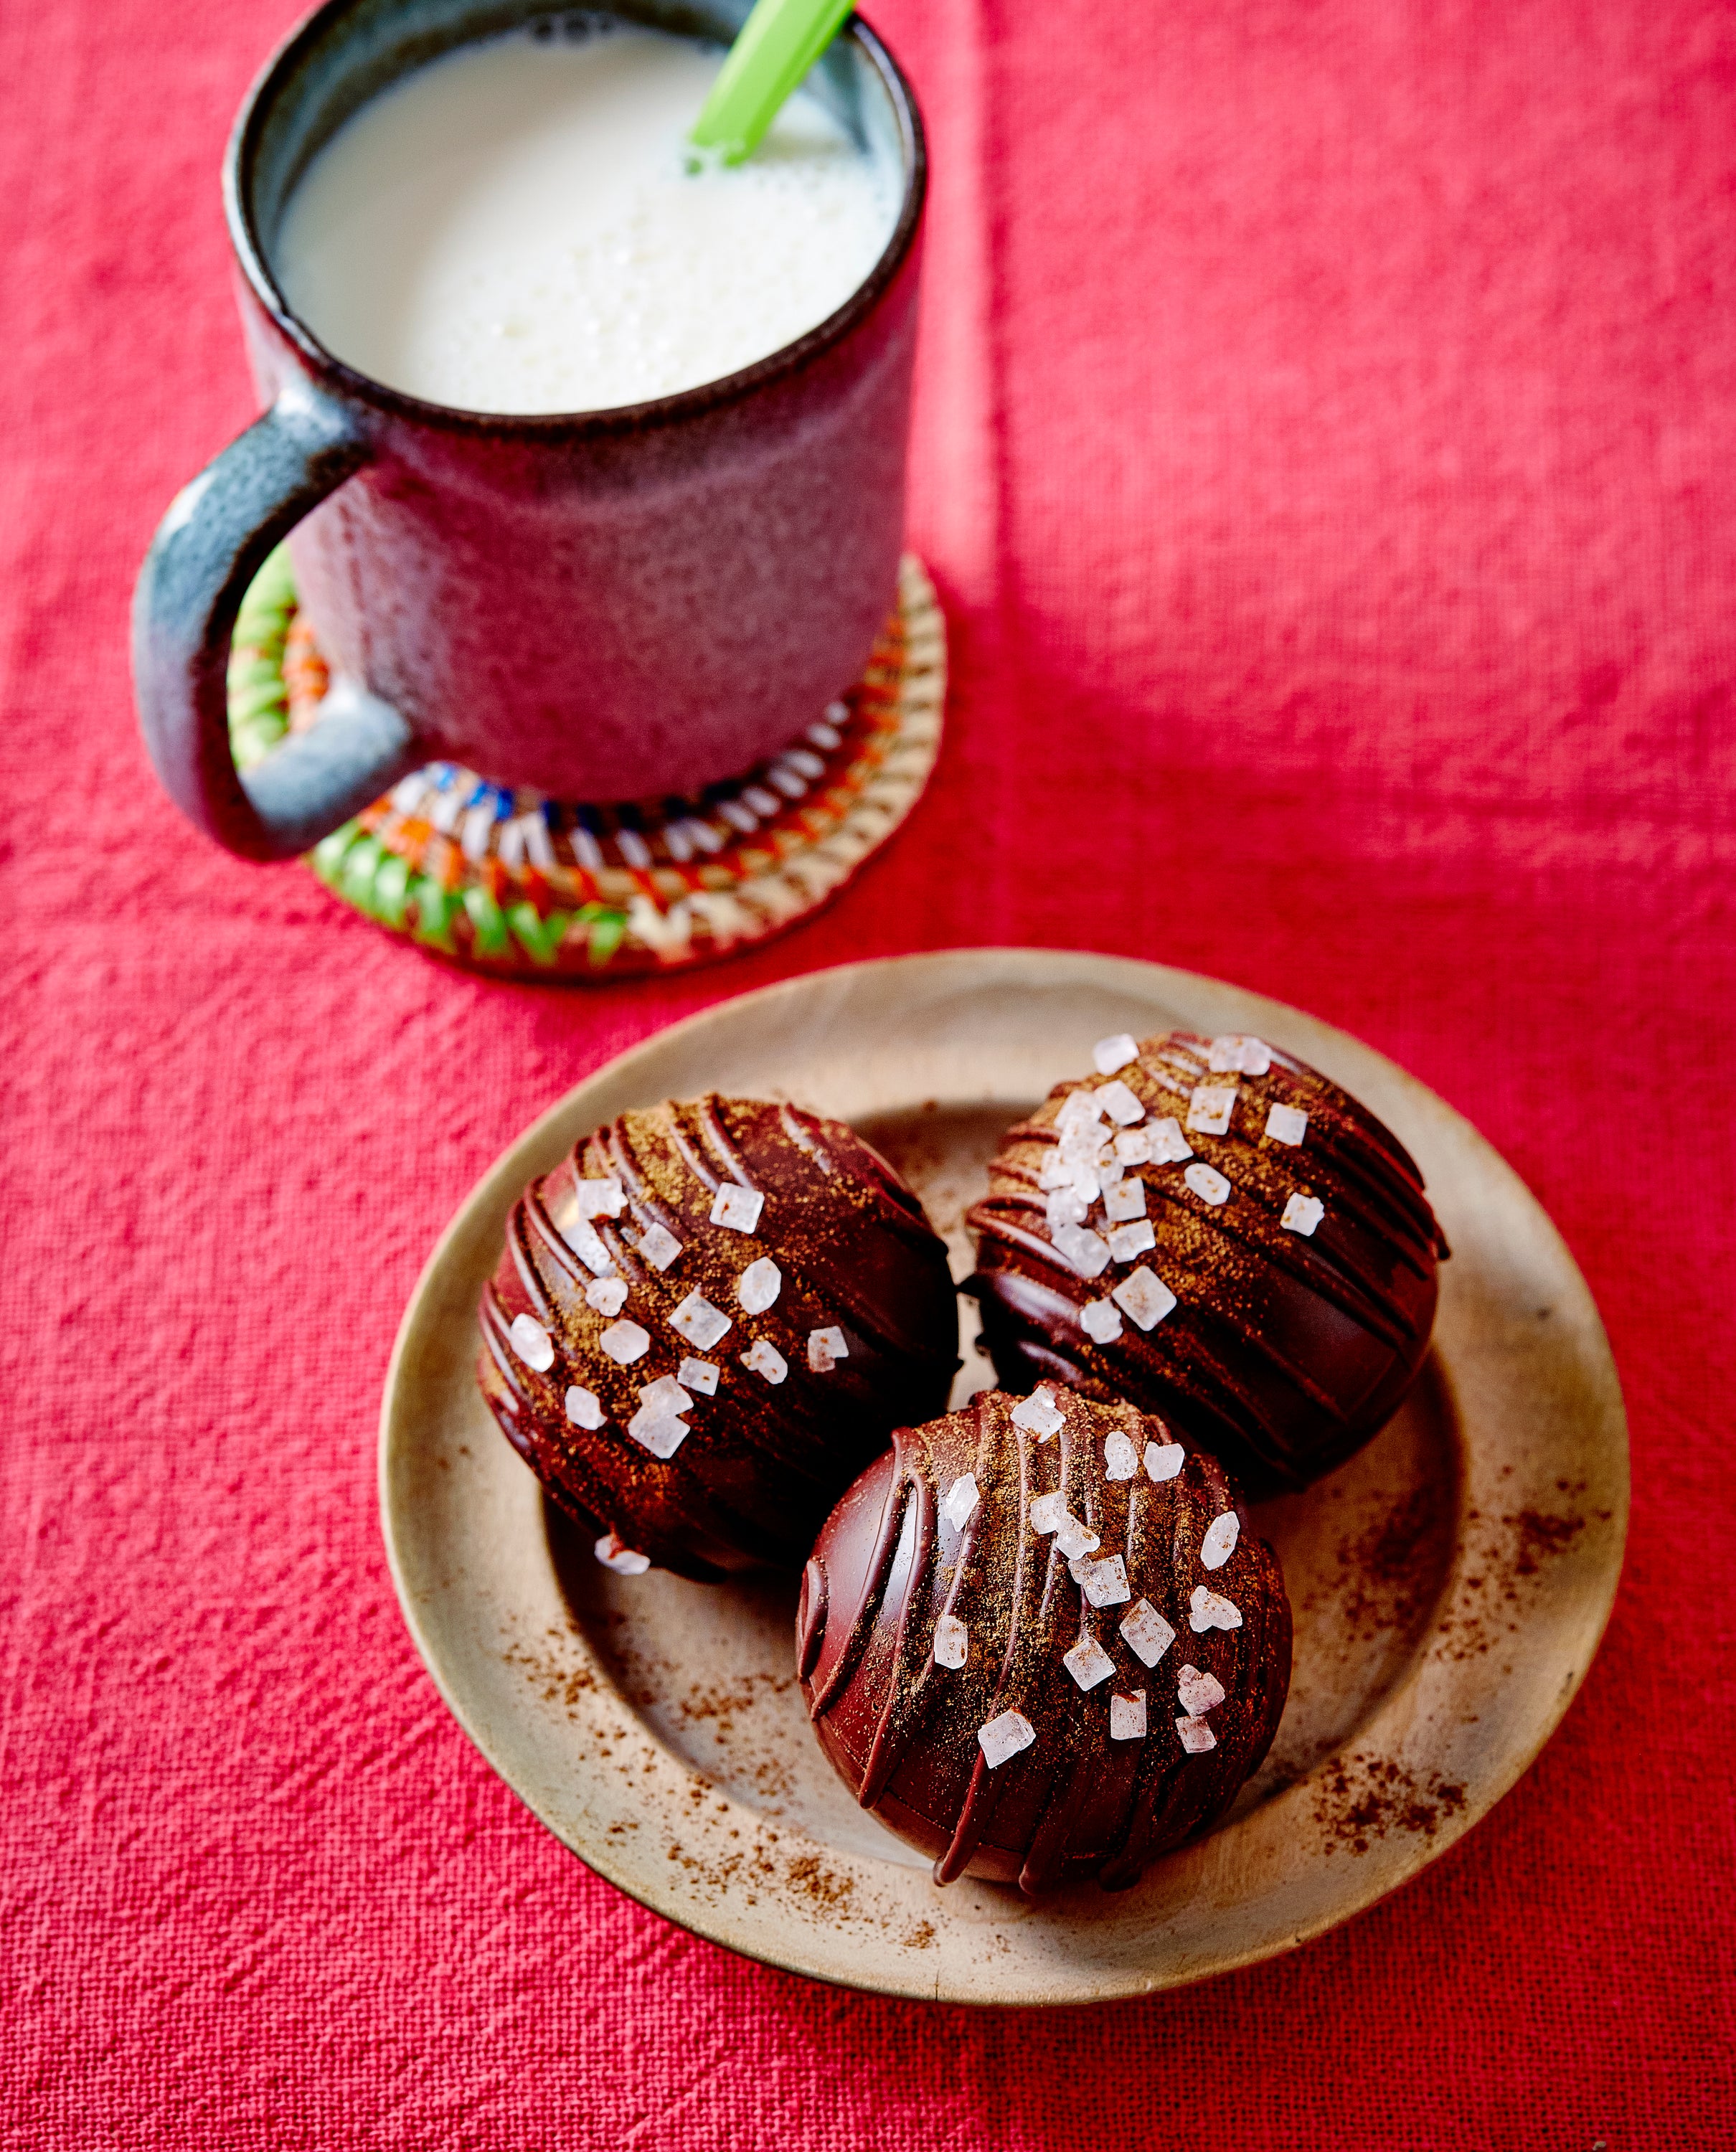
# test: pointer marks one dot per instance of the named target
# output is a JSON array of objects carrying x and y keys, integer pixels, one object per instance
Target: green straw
[{"x": 779, "y": 43}]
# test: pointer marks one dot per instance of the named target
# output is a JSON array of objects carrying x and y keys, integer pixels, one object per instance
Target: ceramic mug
[{"x": 600, "y": 606}]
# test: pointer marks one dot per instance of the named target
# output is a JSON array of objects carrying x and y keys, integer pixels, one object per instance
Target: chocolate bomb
[
  {"x": 1039, "y": 1642},
  {"x": 1212, "y": 1230},
  {"x": 706, "y": 1321}
]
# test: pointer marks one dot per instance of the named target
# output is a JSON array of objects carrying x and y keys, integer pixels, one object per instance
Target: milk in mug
[{"x": 512, "y": 227}]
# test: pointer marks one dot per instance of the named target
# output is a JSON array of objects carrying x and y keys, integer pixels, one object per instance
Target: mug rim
[{"x": 704, "y": 398}]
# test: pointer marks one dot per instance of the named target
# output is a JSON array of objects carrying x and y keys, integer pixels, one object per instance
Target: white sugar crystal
[
  {"x": 659, "y": 1247},
  {"x": 1134, "y": 1147},
  {"x": 1286, "y": 1124},
  {"x": 1087, "y": 1662},
  {"x": 1099, "y": 1319},
  {"x": 826, "y": 1349},
  {"x": 587, "y": 1243},
  {"x": 1110, "y": 1054},
  {"x": 1074, "y": 1541},
  {"x": 1048, "y": 1512},
  {"x": 1205, "y": 1611},
  {"x": 1081, "y": 1248},
  {"x": 963, "y": 1497},
  {"x": 665, "y": 1394},
  {"x": 1219, "y": 1543},
  {"x": 1120, "y": 1459},
  {"x": 1145, "y": 1633},
  {"x": 699, "y": 1323},
  {"x": 1003, "y": 1738},
  {"x": 1209, "y": 1108},
  {"x": 1087, "y": 1177},
  {"x": 737, "y": 1207},
  {"x": 1163, "y": 1460},
  {"x": 764, "y": 1358},
  {"x": 1079, "y": 1154},
  {"x": 1128, "y": 1241},
  {"x": 1251, "y": 1056},
  {"x": 759, "y": 1286},
  {"x": 1079, "y": 1110},
  {"x": 1127, "y": 1717},
  {"x": 659, "y": 1429},
  {"x": 600, "y": 1199},
  {"x": 532, "y": 1343},
  {"x": 1105, "y": 1582},
  {"x": 1037, "y": 1414},
  {"x": 697, "y": 1375},
  {"x": 1143, "y": 1295},
  {"x": 1302, "y": 1213},
  {"x": 624, "y": 1561},
  {"x": 1079, "y": 1123},
  {"x": 1169, "y": 1146},
  {"x": 1065, "y": 1206},
  {"x": 1126, "y": 1200},
  {"x": 1196, "y": 1736},
  {"x": 951, "y": 1641},
  {"x": 1197, "y": 1692},
  {"x": 584, "y": 1408},
  {"x": 607, "y": 1295},
  {"x": 1207, "y": 1183},
  {"x": 1122, "y": 1105},
  {"x": 625, "y": 1341},
  {"x": 1056, "y": 1170}
]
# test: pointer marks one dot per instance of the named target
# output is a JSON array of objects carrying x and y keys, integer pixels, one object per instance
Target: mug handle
[{"x": 207, "y": 550}]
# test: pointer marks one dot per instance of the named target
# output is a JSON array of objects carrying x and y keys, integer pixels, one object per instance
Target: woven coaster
[{"x": 511, "y": 883}]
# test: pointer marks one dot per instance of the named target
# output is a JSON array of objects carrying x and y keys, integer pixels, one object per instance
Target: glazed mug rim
[{"x": 546, "y": 427}]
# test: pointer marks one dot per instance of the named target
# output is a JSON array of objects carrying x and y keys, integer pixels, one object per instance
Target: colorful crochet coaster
[{"x": 511, "y": 883}]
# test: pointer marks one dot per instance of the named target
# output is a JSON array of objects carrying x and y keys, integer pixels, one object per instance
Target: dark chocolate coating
[
  {"x": 1285, "y": 1351},
  {"x": 900, "y": 1729},
  {"x": 752, "y": 1484}
]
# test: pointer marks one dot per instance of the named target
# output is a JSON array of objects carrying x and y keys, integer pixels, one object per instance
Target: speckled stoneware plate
[{"x": 1450, "y": 1585}]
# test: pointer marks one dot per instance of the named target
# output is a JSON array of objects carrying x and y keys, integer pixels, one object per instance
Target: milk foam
[{"x": 512, "y": 228}]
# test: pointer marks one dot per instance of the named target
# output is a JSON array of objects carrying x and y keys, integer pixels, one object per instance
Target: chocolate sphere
[
  {"x": 1038, "y": 1640},
  {"x": 1212, "y": 1230},
  {"x": 707, "y": 1320}
]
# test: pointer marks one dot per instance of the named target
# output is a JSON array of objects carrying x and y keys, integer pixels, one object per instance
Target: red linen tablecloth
[{"x": 1327, "y": 454}]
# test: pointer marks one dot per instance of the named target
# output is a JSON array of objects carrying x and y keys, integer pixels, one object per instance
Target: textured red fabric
[{"x": 1327, "y": 449}]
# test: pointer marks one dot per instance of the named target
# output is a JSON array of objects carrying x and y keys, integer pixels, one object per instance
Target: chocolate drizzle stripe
[
  {"x": 1408, "y": 1221},
  {"x": 893, "y": 1733},
  {"x": 524, "y": 1263},
  {"x": 549, "y": 1238},
  {"x": 973, "y": 1818},
  {"x": 711, "y": 1133},
  {"x": 682, "y": 1144},
  {"x": 805, "y": 1140},
  {"x": 497, "y": 1336},
  {"x": 1045, "y": 1854},
  {"x": 880, "y": 1568},
  {"x": 816, "y": 1600}
]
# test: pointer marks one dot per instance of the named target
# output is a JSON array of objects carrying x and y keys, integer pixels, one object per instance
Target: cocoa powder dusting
[
  {"x": 1391, "y": 1569},
  {"x": 1358, "y": 1798},
  {"x": 1505, "y": 1556}
]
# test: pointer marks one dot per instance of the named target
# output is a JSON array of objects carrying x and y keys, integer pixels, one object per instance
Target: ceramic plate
[{"x": 1450, "y": 1585}]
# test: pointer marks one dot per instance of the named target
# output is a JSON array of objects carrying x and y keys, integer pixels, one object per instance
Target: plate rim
[{"x": 1073, "y": 967}]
